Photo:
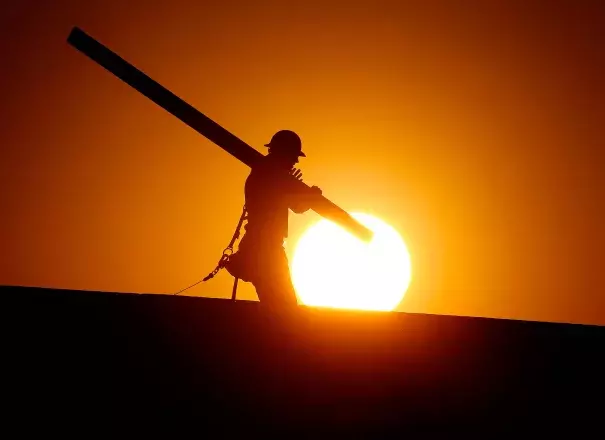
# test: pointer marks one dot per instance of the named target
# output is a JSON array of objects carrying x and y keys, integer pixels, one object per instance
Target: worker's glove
[{"x": 296, "y": 173}]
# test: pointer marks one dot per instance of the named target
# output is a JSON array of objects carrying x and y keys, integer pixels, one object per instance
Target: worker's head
[{"x": 285, "y": 147}]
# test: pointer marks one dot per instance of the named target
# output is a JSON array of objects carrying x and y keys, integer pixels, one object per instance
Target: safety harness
[
  {"x": 225, "y": 257},
  {"x": 228, "y": 251}
]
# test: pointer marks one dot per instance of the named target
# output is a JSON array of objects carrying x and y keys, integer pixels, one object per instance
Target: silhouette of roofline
[{"x": 149, "y": 363}]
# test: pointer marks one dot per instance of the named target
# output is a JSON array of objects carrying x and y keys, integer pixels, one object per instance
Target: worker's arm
[{"x": 301, "y": 202}]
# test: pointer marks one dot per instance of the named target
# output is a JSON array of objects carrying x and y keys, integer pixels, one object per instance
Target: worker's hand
[
  {"x": 316, "y": 190},
  {"x": 296, "y": 173}
]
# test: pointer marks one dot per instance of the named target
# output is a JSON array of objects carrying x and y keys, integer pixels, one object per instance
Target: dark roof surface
[{"x": 118, "y": 363}]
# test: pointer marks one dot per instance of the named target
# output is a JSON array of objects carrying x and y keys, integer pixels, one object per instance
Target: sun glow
[{"x": 331, "y": 268}]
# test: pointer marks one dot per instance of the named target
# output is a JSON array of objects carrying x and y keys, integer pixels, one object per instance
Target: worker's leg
[{"x": 273, "y": 283}]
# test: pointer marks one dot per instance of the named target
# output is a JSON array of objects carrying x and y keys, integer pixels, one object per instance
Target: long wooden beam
[{"x": 199, "y": 122}]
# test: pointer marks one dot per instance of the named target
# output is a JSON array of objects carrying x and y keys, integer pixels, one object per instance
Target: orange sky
[{"x": 476, "y": 131}]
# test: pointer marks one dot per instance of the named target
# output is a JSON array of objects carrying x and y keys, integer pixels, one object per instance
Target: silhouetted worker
[{"x": 270, "y": 194}]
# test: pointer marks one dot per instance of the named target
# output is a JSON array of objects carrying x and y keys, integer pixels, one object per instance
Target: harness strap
[{"x": 228, "y": 252}]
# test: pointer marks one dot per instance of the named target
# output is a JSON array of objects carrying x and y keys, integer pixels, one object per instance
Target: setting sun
[{"x": 331, "y": 268}]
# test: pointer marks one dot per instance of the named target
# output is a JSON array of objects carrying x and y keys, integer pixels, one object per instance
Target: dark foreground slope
[{"x": 90, "y": 362}]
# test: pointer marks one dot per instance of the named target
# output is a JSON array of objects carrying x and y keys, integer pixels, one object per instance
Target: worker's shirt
[{"x": 269, "y": 195}]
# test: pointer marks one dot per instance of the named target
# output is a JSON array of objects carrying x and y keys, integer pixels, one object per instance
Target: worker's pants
[{"x": 266, "y": 267}]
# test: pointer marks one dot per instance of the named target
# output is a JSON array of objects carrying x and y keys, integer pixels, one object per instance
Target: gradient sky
[{"x": 474, "y": 128}]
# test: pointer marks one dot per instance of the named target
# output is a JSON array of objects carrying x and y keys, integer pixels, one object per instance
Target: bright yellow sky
[{"x": 475, "y": 131}]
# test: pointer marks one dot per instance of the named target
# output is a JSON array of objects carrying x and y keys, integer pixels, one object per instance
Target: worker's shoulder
[
  {"x": 266, "y": 171},
  {"x": 260, "y": 175}
]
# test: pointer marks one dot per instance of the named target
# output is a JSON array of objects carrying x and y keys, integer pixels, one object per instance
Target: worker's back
[{"x": 267, "y": 203}]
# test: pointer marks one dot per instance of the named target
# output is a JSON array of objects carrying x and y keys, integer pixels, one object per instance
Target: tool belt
[
  {"x": 239, "y": 266},
  {"x": 253, "y": 254},
  {"x": 254, "y": 251}
]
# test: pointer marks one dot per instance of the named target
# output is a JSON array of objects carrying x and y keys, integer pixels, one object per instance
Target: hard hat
[{"x": 287, "y": 140}]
